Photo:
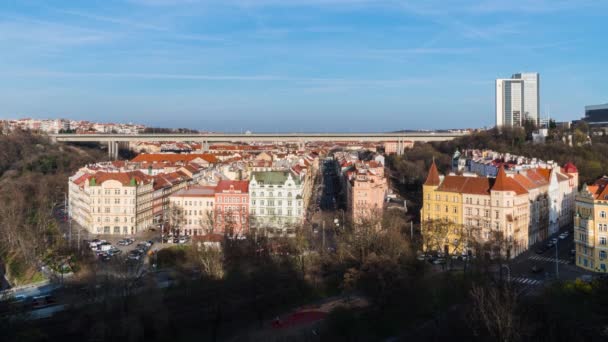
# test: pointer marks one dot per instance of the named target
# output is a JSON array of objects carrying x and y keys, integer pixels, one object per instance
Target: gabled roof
[
  {"x": 433, "y": 176},
  {"x": 570, "y": 168},
  {"x": 196, "y": 191},
  {"x": 230, "y": 185},
  {"x": 599, "y": 189},
  {"x": 505, "y": 183},
  {"x": 125, "y": 178}
]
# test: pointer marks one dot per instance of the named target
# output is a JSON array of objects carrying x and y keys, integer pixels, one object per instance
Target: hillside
[{"x": 33, "y": 180}]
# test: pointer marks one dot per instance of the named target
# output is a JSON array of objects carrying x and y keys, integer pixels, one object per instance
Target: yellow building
[
  {"x": 591, "y": 226},
  {"x": 460, "y": 210},
  {"x": 443, "y": 205}
]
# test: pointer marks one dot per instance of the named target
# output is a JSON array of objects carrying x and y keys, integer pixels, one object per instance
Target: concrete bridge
[{"x": 114, "y": 140}]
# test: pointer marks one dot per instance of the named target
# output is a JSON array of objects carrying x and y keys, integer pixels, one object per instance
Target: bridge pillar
[
  {"x": 399, "y": 147},
  {"x": 113, "y": 148}
]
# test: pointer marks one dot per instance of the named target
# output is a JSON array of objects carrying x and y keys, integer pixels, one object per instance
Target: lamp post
[{"x": 556, "y": 259}]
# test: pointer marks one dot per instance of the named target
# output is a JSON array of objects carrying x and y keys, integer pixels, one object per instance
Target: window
[
  {"x": 602, "y": 255},
  {"x": 117, "y": 192},
  {"x": 496, "y": 213},
  {"x": 117, "y": 201},
  {"x": 603, "y": 240},
  {"x": 603, "y": 214}
]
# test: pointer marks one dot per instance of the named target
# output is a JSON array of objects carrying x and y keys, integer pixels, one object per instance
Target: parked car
[
  {"x": 114, "y": 251},
  {"x": 105, "y": 246},
  {"x": 134, "y": 255},
  {"x": 94, "y": 243},
  {"x": 541, "y": 250},
  {"x": 183, "y": 239}
]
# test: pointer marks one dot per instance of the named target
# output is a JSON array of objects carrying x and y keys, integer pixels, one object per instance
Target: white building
[
  {"x": 192, "y": 210},
  {"x": 111, "y": 202},
  {"x": 518, "y": 99},
  {"x": 276, "y": 202}
]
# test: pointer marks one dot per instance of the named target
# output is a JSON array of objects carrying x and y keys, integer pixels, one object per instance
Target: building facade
[
  {"x": 366, "y": 190},
  {"x": 192, "y": 211},
  {"x": 591, "y": 226},
  {"x": 276, "y": 203},
  {"x": 524, "y": 207},
  {"x": 518, "y": 99},
  {"x": 232, "y": 207},
  {"x": 119, "y": 203}
]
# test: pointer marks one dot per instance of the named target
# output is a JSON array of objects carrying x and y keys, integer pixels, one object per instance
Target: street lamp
[{"x": 556, "y": 259}]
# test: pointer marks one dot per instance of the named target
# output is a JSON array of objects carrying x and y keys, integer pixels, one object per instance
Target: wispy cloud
[
  {"x": 136, "y": 24},
  {"x": 27, "y": 33},
  {"x": 205, "y": 77}
]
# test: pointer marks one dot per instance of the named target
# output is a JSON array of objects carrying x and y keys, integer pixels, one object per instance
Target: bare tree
[{"x": 495, "y": 312}]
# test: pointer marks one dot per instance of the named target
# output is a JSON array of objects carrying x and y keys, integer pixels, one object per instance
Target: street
[
  {"x": 327, "y": 207},
  {"x": 530, "y": 269}
]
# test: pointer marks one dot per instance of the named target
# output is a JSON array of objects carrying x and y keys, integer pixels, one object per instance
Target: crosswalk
[
  {"x": 547, "y": 259},
  {"x": 526, "y": 281}
]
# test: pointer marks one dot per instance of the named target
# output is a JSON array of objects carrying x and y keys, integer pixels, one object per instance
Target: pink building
[
  {"x": 232, "y": 207},
  {"x": 392, "y": 147},
  {"x": 366, "y": 190}
]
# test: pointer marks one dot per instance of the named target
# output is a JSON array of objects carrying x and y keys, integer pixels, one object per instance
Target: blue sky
[{"x": 296, "y": 65}]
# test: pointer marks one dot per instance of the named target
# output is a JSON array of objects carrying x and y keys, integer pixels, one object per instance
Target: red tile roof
[
  {"x": 173, "y": 158},
  {"x": 506, "y": 183},
  {"x": 122, "y": 177},
  {"x": 570, "y": 168},
  {"x": 433, "y": 176},
  {"x": 228, "y": 185}
]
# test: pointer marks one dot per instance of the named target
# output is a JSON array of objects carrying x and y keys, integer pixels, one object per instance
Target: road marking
[
  {"x": 547, "y": 259},
  {"x": 526, "y": 281}
]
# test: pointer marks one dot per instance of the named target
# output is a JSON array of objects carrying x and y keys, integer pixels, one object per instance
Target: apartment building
[
  {"x": 366, "y": 189},
  {"x": 591, "y": 226},
  {"x": 192, "y": 210},
  {"x": 276, "y": 204},
  {"x": 232, "y": 207},
  {"x": 111, "y": 202},
  {"x": 525, "y": 207}
]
